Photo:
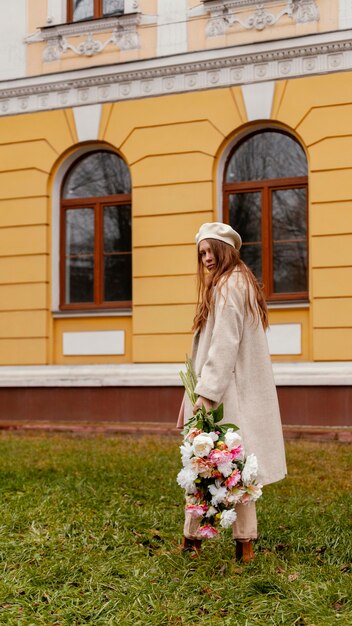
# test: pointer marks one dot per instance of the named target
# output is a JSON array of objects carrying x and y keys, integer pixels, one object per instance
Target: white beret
[{"x": 220, "y": 231}]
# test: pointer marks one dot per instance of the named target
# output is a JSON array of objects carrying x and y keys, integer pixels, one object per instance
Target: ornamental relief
[
  {"x": 224, "y": 14},
  {"x": 123, "y": 29}
]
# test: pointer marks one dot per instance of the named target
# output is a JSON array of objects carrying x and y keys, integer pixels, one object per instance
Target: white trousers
[{"x": 245, "y": 526}]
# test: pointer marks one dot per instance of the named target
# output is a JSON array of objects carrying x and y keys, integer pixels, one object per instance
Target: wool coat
[{"x": 231, "y": 359}]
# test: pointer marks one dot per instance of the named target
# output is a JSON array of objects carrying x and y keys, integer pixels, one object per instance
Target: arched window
[
  {"x": 96, "y": 257},
  {"x": 265, "y": 199}
]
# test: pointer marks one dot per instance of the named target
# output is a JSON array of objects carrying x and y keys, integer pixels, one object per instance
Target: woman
[{"x": 231, "y": 359}]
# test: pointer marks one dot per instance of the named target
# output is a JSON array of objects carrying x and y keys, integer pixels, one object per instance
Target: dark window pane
[
  {"x": 245, "y": 215},
  {"x": 118, "y": 277},
  {"x": 82, "y": 9},
  {"x": 245, "y": 211},
  {"x": 98, "y": 174},
  {"x": 251, "y": 254},
  {"x": 79, "y": 285},
  {"x": 79, "y": 231},
  {"x": 289, "y": 210},
  {"x": 267, "y": 155},
  {"x": 290, "y": 267},
  {"x": 117, "y": 228},
  {"x": 113, "y": 7}
]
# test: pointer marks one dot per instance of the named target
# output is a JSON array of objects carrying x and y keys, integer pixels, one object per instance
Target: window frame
[
  {"x": 97, "y": 204},
  {"x": 97, "y": 12},
  {"x": 266, "y": 187}
]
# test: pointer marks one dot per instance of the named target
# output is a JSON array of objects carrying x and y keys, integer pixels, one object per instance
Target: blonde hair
[{"x": 227, "y": 258}]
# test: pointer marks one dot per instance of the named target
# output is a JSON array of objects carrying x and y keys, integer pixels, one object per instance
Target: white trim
[
  {"x": 160, "y": 375},
  {"x": 96, "y": 313},
  {"x": 87, "y": 120},
  {"x": 56, "y": 12},
  {"x": 100, "y": 342},
  {"x": 288, "y": 305},
  {"x": 207, "y": 69},
  {"x": 345, "y": 14},
  {"x": 172, "y": 27},
  {"x": 284, "y": 339},
  {"x": 258, "y": 100},
  {"x": 12, "y": 34}
]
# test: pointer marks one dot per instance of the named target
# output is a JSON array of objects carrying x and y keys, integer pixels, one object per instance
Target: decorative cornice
[
  {"x": 160, "y": 375},
  {"x": 248, "y": 64},
  {"x": 224, "y": 14},
  {"x": 123, "y": 28}
]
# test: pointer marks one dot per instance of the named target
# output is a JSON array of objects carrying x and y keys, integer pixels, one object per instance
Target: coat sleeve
[{"x": 225, "y": 340}]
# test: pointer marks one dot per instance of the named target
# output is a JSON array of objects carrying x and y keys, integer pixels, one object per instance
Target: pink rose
[
  {"x": 196, "y": 510},
  {"x": 207, "y": 532}
]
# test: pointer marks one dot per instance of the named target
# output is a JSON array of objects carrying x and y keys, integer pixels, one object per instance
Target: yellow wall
[
  {"x": 320, "y": 112},
  {"x": 173, "y": 146}
]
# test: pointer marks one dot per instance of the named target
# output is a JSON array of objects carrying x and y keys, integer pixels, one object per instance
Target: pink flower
[
  {"x": 220, "y": 457},
  {"x": 196, "y": 510},
  {"x": 202, "y": 466},
  {"x": 207, "y": 532},
  {"x": 233, "y": 479},
  {"x": 223, "y": 459},
  {"x": 237, "y": 453}
]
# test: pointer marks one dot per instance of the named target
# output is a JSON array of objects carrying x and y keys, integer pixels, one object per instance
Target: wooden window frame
[
  {"x": 98, "y": 204},
  {"x": 97, "y": 11},
  {"x": 265, "y": 187}
]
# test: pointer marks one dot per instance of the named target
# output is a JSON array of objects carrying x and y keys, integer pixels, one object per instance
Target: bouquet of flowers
[{"x": 216, "y": 474}]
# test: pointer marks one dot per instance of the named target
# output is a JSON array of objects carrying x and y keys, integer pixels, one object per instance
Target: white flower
[
  {"x": 227, "y": 518},
  {"x": 211, "y": 511},
  {"x": 232, "y": 439},
  {"x": 186, "y": 478},
  {"x": 235, "y": 496},
  {"x": 250, "y": 469},
  {"x": 214, "y": 436},
  {"x": 218, "y": 493},
  {"x": 225, "y": 468},
  {"x": 186, "y": 453},
  {"x": 253, "y": 492},
  {"x": 202, "y": 444}
]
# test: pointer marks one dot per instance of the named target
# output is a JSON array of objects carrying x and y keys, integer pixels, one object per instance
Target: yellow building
[{"x": 124, "y": 125}]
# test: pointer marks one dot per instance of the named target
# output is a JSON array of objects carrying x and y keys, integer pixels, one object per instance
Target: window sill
[
  {"x": 294, "y": 304},
  {"x": 95, "y": 313},
  {"x": 123, "y": 28}
]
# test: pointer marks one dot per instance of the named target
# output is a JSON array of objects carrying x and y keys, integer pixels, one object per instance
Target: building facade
[{"x": 124, "y": 125}]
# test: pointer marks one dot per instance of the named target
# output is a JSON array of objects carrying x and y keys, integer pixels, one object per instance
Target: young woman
[{"x": 231, "y": 359}]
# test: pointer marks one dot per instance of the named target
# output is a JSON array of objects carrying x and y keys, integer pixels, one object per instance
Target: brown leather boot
[
  {"x": 191, "y": 545},
  {"x": 244, "y": 551}
]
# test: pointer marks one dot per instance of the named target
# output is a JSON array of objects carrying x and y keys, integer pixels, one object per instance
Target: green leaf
[
  {"x": 227, "y": 426},
  {"x": 218, "y": 413}
]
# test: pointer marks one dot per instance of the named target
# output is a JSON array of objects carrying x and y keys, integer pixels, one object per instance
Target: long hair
[{"x": 227, "y": 259}]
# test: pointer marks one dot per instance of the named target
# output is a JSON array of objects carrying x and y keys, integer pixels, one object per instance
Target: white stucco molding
[
  {"x": 225, "y": 14},
  {"x": 239, "y": 65},
  {"x": 160, "y": 375},
  {"x": 123, "y": 28}
]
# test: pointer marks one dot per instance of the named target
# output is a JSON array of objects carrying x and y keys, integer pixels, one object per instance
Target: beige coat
[{"x": 231, "y": 359}]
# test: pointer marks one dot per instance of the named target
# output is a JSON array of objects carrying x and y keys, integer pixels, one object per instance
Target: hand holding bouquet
[{"x": 216, "y": 474}]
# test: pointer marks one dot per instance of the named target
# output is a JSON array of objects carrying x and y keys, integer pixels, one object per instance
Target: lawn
[{"x": 90, "y": 527}]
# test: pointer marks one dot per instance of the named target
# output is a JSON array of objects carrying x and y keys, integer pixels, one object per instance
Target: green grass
[{"x": 90, "y": 527}]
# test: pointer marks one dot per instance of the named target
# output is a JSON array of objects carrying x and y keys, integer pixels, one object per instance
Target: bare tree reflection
[
  {"x": 98, "y": 174},
  {"x": 267, "y": 156}
]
